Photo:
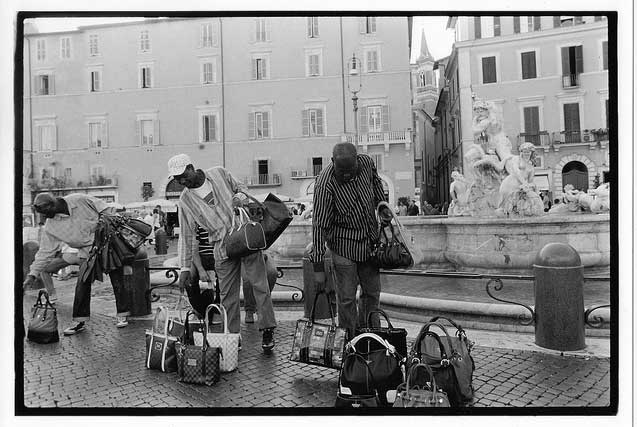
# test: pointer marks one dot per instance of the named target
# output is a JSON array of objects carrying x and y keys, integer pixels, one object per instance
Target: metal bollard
[
  {"x": 138, "y": 285},
  {"x": 559, "y": 298},
  {"x": 309, "y": 288},
  {"x": 161, "y": 242}
]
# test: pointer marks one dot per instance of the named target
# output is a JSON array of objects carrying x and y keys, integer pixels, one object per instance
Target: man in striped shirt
[
  {"x": 209, "y": 199},
  {"x": 346, "y": 195}
]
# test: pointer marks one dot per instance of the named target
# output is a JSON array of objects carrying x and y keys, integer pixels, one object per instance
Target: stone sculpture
[
  {"x": 596, "y": 201},
  {"x": 458, "y": 191}
]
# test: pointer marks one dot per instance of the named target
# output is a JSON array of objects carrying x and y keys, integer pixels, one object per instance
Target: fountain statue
[
  {"x": 595, "y": 201},
  {"x": 458, "y": 191}
]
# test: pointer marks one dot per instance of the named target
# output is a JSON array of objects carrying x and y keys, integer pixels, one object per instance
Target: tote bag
[
  {"x": 228, "y": 342},
  {"x": 160, "y": 347},
  {"x": 43, "y": 325}
]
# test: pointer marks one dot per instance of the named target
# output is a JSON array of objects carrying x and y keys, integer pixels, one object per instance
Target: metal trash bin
[
  {"x": 559, "y": 298},
  {"x": 138, "y": 285},
  {"x": 161, "y": 242},
  {"x": 322, "y": 310}
]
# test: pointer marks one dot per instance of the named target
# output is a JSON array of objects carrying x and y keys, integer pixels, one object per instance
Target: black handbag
[
  {"x": 395, "y": 336},
  {"x": 450, "y": 360},
  {"x": 43, "y": 325},
  {"x": 372, "y": 372},
  {"x": 197, "y": 364},
  {"x": 390, "y": 252},
  {"x": 273, "y": 215},
  {"x": 246, "y": 238}
]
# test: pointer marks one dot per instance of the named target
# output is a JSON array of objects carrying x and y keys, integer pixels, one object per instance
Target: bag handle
[
  {"x": 412, "y": 371},
  {"x": 381, "y": 312},
  {"x": 459, "y": 331},
  {"x": 159, "y": 310},
  {"x": 222, "y": 310},
  {"x": 47, "y": 302},
  {"x": 375, "y": 337},
  {"x": 251, "y": 197},
  {"x": 185, "y": 334},
  {"x": 243, "y": 219},
  {"x": 329, "y": 304},
  {"x": 427, "y": 325},
  {"x": 421, "y": 336}
]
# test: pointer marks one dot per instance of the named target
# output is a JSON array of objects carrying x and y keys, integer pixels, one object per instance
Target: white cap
[{"x": 177, "y": 164}]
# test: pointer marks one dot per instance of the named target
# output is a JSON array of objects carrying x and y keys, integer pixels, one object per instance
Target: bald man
[{"x": 72, "y": 220}]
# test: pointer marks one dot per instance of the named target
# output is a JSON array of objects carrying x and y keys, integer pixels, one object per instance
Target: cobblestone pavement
[{"x": 104, "y": 367}]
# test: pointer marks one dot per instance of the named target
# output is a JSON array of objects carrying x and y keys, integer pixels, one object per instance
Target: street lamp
[{"x": 354, "y": 86}]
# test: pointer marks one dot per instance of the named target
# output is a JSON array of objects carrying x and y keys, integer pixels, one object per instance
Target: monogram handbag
[
  {"x": 197, "y": 364},
  {"x": 229, "y": 343},
  {"x": 43, "y": 325},
  {"x": 160, "y": 347},
  {"x": 426, "y": 396},
  {"x": 244, "y": 238},
  {"x": 318, "y": 343},
  {"x": 395, "y": 336},
  {"x": 272, "y": 214},
  {"x": 384, "y": 365}
]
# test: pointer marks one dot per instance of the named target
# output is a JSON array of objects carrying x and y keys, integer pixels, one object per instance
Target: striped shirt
[
  {"x": 76, "y": 229},
  {"x": 205, "y": 247},
  {"x": 215, "y": 215},
  {"x": 344, "y": 215}
]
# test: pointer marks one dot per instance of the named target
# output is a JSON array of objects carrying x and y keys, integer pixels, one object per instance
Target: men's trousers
[{"x": 82, "y": 300}]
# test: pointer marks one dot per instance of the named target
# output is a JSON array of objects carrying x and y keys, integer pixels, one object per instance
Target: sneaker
[
  {"x": 72, "y": 330},
  {"x": 121, "y": 322},
  {"x": 268, "y": 340},
  {"x": 249, "y": 317}
]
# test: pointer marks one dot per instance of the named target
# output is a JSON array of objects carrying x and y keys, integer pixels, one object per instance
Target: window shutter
[
  {"x": 251, "y": 129},
  {"x": 305, "y": 123},
  {"x": 477, "y": 27},
  {"x": 319, "y": 121},
  {"x": 488, "y": 70},
  {"x": 200, "y": 38},
  {"x": 138, "y": 132},
  {"x": 140, "y": 77},
  {"x": 98, "y": 83},
  {"x": 566, "y": 69},
  {"x": 557, "y": 22},
  {"x": 571, "y": 117},
  {"x": 516, "y": 24},
  {"x": 309, "y": 26},
  {"x": 214, "y": 70},
  {"x": 537, "y": 23},
  {"x": 37, "y": 140},
  {"x": 255, "y": 168},
  {"x": 150, "y": 78},
  {"x": 528, "y": 65},
  {"x": 268, "y": 30},
  {"x": 214, "y": 36},
  {"x": 316, "y": 26},
  {"x": 496, "y": 25},
  {"x": 266, "y": 124},
  {"x": 361, "y": 25},
  {"x": 363, "y": 120},
  {"x": 155, "y": 132},
  {"x": 385, "y": 113},
  {"x": 254, "y": 69},
  {"x": 213, "y": 126},
  {"x": 372, "y": 21},
  {"x": 266, "y": 68},
  {"x": 579, "y": 60},
  {"x": 52, "y": 82},
  {"x": 604, "y": 55}
]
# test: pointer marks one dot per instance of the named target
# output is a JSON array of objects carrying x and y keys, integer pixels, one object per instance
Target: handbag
[
  {"x": 197, "y": 364},
  {"x": 229, "y": 343},
  {"x": 176, "y": 318},
  {"x": 345, "y": 398},
  {"x": 160, "y": 347},
  {"x": 383, "y": 365},
  {"x": 247, "y": 238},
  {"x": 395, "y": 336},
  {"x": 318, "y": 343},
  {"x": 414, "y": 396},
  {"x": 133, "y": 231},
  {"x": 449, "y": 358},
  {"x": 43, "y": 325},
  {"x": 273, "y": 216},
  {"x": 389, "y": 252}
]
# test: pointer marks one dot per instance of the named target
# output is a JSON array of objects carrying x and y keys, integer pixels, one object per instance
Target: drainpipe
[
  {"x": 32, "y": 173},
  {"x": 343, "y": 75},
  {"x": 223, "y": 104}
]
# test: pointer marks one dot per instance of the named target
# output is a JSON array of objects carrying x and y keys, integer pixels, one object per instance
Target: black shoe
[
  {"x": 72, "y": 330},
  {"x": 268, "y": 340}
]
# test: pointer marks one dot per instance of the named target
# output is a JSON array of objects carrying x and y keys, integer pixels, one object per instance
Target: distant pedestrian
[
  {"x": 162, "y": 217},
  {"x": 402, "y": 209},
  {"x": 412, "y": 209}
]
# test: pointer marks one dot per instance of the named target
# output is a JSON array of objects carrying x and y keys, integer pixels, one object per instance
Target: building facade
[
  {"x": 549, "y": 76},
  {"x": 106, "y": 106}
]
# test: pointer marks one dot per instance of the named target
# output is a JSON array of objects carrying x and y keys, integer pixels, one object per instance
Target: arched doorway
[{"x": 576, "y": 174}]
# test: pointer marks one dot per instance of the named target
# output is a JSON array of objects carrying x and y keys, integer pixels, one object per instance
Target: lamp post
[{"x": 354, "y": 86}]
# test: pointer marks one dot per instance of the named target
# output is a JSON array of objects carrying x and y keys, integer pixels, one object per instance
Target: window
[
  {"x": 259, "y": 125},
  {"x": 486, "y": 26},
  {"x": 45, "y": 131},
  {"x": 147, "y": 129},
  {"x": 532, "y": 124},
  {"x": 374, "y": 118},
  {"x": 263, "y": 171},
  {"x": 207, "y": 35},
  {"x": 65, "y": 47},
  {"x": 313, "y": 122},
  {"x": 262, "y": 30},
  {"x": 317, "y": 166},
  {"x": 525, "y": 24},
  {"x": 93, "y": 48},
  {"x": 488, "y": 70},
  {"x": 571, "y": 122},
  {"x": 367, "y": 25},
  {"x": 145, "y": 76},
  {"x": 144, "y": 41},
  {"x": 312, "y": 27},
  {"x": 372, "y": 62},
  {"x": 260, "y": 67},
  {"x": 477, "y": 27},
  {"x": 313, "y": 65},
  {"x": 97, "y": 175},
  {"x": 96, "y": 80},
  {"x": 208, "y": 128},
  {"x": 429, "y": 78},
  {"x": 572, "y": 65},
  {"x": 67, "y": 173},
  {"x": 209, "y": 71},
  {"x": 378, "y": 160},
  {"x": 40, "y": 50},
  {"x": 496, "y": 26},
  {"x": 95, "y": 135},
  {"x": 529, "y": 69},
  {"x": 147, "y": 132},
  {"x": 44, "y": 84},
  {"x": 605, "y": 55}
]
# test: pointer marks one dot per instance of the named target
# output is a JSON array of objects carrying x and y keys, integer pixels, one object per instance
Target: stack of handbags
[
  {"x": 448, "y": 356},
  {"x": 197, "y": 364}
]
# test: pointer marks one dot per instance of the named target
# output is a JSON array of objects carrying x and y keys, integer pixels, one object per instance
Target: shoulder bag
[
  {"x": 244, "y": 238},
  {"x": 344, "y": 396},
  {"x": 197, "y": 364},
  {"x": 395, "y": 336},
  {"x": 229, "y": 343},
  {"x": 160, "y": 347},
  {"x": 273, "y": 216},
  {"x": 318, "y": 343},
  {"x": 43, "y": 325},
  {"x": 426, "y": 396}
]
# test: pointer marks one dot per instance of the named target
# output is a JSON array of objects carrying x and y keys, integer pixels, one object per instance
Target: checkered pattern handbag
[
  {"x": 229, "y": 343},
  {"x": 197, "y": 364}
]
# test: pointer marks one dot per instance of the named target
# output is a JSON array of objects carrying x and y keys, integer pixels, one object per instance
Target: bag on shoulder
[
  {"x": 273, "y": 216},
  {"x": 244, "y": 238},
  {"x": 43, "y": 325}
]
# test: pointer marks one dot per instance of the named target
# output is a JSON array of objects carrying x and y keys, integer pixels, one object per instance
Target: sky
[{"x": 439, "y": 40}]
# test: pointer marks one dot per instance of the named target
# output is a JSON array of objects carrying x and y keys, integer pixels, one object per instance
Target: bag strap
[
  {"x": 375, "y": 337},
  {"x": 381, "y": 312},
  {"x": 459, "y": 331},
  {"x": 428, "y": 325},
  {"x": 329, "y": 304},
  {"x": 249, "y": 196},
  {"x": 421, "y": 336},
  {"x": 47, "y": 303},
  {"x": 222, "y": 310},
  {"x": 243, "y": 219}
]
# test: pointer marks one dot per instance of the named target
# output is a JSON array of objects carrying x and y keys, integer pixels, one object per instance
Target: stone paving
[{"x": 103, "y": 367}]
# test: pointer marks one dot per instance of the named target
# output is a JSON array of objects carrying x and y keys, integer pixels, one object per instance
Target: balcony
[
  {"x": 380, "y": 138},
  {"x": 570, "y": 80},
  {"x": 67, "y": 185},
  {"x": 302, "y": 173},
  {"x": 593, "y": 137},
  {"x": 539, "y": 139},
  {"x": 263, "y": 180}
]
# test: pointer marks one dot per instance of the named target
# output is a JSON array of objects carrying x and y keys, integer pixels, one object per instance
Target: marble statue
[
  {"x": 596, "y": 201},
  {"x": 458, "y": 191},
  {"x": 517, "y": 191},
  {"x": 601, "y": 203}
]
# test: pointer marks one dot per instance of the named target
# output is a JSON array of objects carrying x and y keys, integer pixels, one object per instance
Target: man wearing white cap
[{"x": 209, "y": 200}]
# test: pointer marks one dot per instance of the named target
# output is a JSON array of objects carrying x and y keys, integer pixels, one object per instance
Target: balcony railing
[
  {"x": 380, "y": 138},
  {"x": 263, "y": 180},
  {"x": 540, "y": 139},
  {"x": 303, "y": 173},
  {"x": 66, "y": 183},
  {"x": 570, "y": 80}
]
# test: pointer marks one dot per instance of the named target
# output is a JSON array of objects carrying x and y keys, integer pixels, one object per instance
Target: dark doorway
[{"x": 576, "y": 174}]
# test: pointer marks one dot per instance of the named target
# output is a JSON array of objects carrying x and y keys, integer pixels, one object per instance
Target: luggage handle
[
  {"x": 375, "y": 337},
  {"x": 382, "y": 312}
]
